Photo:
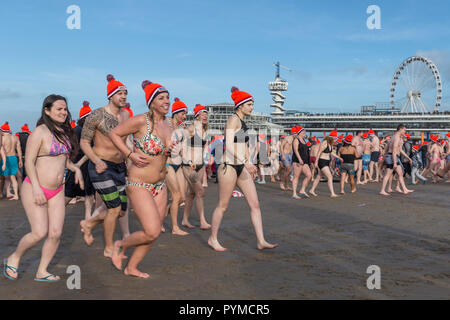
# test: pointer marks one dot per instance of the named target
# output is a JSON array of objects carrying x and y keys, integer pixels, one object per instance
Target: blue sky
[{"x": 200, "y": 49}]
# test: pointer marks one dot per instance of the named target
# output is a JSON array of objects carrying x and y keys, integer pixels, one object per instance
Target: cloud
[{"x": 6, "y": 94}]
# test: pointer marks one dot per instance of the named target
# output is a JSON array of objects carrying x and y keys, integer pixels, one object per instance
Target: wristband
[{"x": 129, "y": 154}]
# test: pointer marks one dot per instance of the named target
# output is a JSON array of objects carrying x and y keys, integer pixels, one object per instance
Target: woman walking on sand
[
  {"x": 194, "y": 145},
  {"x": 323, "y": 163},
  {"x": 51, "y": 145},
  {"x": 237, "y": 170},
  {"x": 146, "y": 176}
]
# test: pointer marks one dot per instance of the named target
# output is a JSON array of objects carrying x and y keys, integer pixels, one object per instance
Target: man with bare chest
[
  {"x": 107, "y": 168},
  {"x": 11, "y": 148},
  {"x": 357, "y": 143},
  {"x": 286, "y": 158},
  {"x": 367, "y": 150},
  {"x": 374, "y": 156},
  {"x": 393, "y": 163}
]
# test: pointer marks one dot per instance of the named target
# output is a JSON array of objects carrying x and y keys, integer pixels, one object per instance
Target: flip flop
[
  {"x": 6, "y": 267},
  {"x": 46, "y": 279}
]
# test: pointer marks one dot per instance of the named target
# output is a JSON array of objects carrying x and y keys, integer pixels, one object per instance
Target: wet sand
[{"x": 325, "y": 247}]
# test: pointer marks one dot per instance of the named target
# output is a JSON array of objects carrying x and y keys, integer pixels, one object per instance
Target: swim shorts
[
  {"x": 323, "y": 163},
  {"x": 312, "y": 159},
  {"x": 348, "y": 168},
  {"x": 366, "y": 161},
  {"x": 287, "y": 159},
  {"x": 110, "y": 184},
  {"x": 12, "y": 165},
  {"x": 389, "y": 161},
  {"x": 374, "y": 156}
]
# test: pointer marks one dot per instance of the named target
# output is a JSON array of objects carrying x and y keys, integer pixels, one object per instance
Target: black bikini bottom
[
  {"x": 237, "y": 167},
  {"x": 174, "y": 166}
]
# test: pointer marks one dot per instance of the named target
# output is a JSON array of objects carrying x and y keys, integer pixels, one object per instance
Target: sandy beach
[{"x": 325, "y": 247}]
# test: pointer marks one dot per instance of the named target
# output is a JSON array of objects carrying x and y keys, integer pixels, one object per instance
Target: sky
[{"x": 199, "y": 49}]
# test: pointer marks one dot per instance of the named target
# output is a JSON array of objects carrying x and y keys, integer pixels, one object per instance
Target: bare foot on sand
[
  {"x": 205, "y": 226},
  {"x": 313, "y": 193},
  {"x": 384, "y": 193},
  {"x": 266, "y": 245},
  {"x": 136, "y": 273},
  {"x": 179, "y": 232},
  {"x": 334, "y": 196},
  {"x": 117, "y": 255},
  {"x": 216, "y": 245},
  {"x": 108, "y": 252},
  {"x": 187, "y": 225},
  {"x": 400, "y": 190},
  {"x": 86, "y": 230}
]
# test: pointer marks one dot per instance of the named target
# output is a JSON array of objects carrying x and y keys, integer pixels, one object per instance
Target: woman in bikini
[
  {"x": 51, "y": 145},
  {"x": 300, "y": 159},
  {"x": 323, "y": 163},
  {"x": 237, "y": 170},
  {"x": 175, "y": 178},
  {"x": 194, "y": 146},
  {"x": 146, "y": 176}
]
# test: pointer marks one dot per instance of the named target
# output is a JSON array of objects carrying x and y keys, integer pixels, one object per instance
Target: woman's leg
[
  {"x": 316, "y": 182},
  {"x": 182, "y": 186},
  {"x": 246, "y": 184},
  {"x": 195, "y": 184},
  {"x": 38, "y": 219},
  {"x": 297, "y": 171},
  {"x": 189, "y": 202},
  {"x": 88, "y": 205},
  {"x": 343, "y": 177},
  {"x": 147, "y": 212},
  {"x": 326, "y": 171},
  {"x": 307, "y": 172},
  {"x": 172, "y": 184},
  {"x": 227, "y": 181},
  {"x": 124, "y": 222},
  {"x": 56, "y": 214}
]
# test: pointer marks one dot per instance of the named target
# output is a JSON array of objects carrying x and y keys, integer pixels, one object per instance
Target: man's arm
[
  {"x": 87, "y": 134},
  {"x": 19, "y": 152}
]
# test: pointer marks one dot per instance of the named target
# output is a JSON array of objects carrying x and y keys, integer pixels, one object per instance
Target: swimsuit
[
  {"x": 287, "y": 159},
  {"x": 154, "y": 188},
  {"x": 324, "y": 162},
  {"x": 374, "y": 156},
  {"x": 303, "y": 152},
  {"x": 348, "y": 164},
  {"x": 151, "y": 145},
  {"x": 174, "y": 166},
  {"x": 240, "y": 136},
  {"x": 366, "y": 161},
  {"x": 56, "y": 149},
  {"x": 12, "y": 165}
]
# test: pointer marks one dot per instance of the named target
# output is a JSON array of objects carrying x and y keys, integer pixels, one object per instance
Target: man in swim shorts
[
  {"x": 11, "y": 147},
  {"x": 107, "y": 168}
]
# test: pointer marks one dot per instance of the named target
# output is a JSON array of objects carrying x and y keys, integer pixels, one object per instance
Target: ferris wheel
[{"x": 416, "y": 86}]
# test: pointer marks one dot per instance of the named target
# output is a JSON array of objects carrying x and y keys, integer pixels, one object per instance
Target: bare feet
[
  {"x": 205, "y": 226},
  {"x": 135, "y": 273},
  {"x": 108, "y": 252},
  {"x": 313, "y": 193},
  {"x": 88, "y": 238},
  {"x": 282, "y": 187},
  {"x": 399, "y": 190},
  {"x": 296, "y": 197},
  {"x": 216, "y": 245},
  {"x": 117, "y": 255},
  {"x": 179, "y": 232},
  {"x": 353, "y": 190},
  {"x": 384, "y": 193},
  {"x": 267, "y": 245},
  {"x": 304, "y": 194},
  {"x": 342, "y": 192},
  {"x": 14, "y": 198},
  {"x": 187, "y": 225},
  {"x": 163, "y": 229},
  {"x": 334, "y": 196},
  {"x": 408, "y": 191}
]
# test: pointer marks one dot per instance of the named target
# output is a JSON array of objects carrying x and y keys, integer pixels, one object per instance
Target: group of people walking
[
  {"x": 122, "y": 160},
  {"x": 117, "y": 160},
  {"x": 360, "y": 159}
]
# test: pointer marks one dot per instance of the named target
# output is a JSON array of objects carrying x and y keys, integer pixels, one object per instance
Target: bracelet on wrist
[{"x": 129, "y": 154}]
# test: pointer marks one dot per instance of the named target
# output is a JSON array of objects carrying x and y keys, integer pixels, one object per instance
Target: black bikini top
[
  {"x": 327, "y": 150},
  {"x": 195, "y": 138},
  {"x": 241, "y": 134}
]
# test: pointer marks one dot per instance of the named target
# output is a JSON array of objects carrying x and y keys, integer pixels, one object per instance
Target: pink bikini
[{"x": 56, "y": 149}]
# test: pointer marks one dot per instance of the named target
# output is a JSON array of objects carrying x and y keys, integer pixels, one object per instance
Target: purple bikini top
[{"x": 57, "y": 148}]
